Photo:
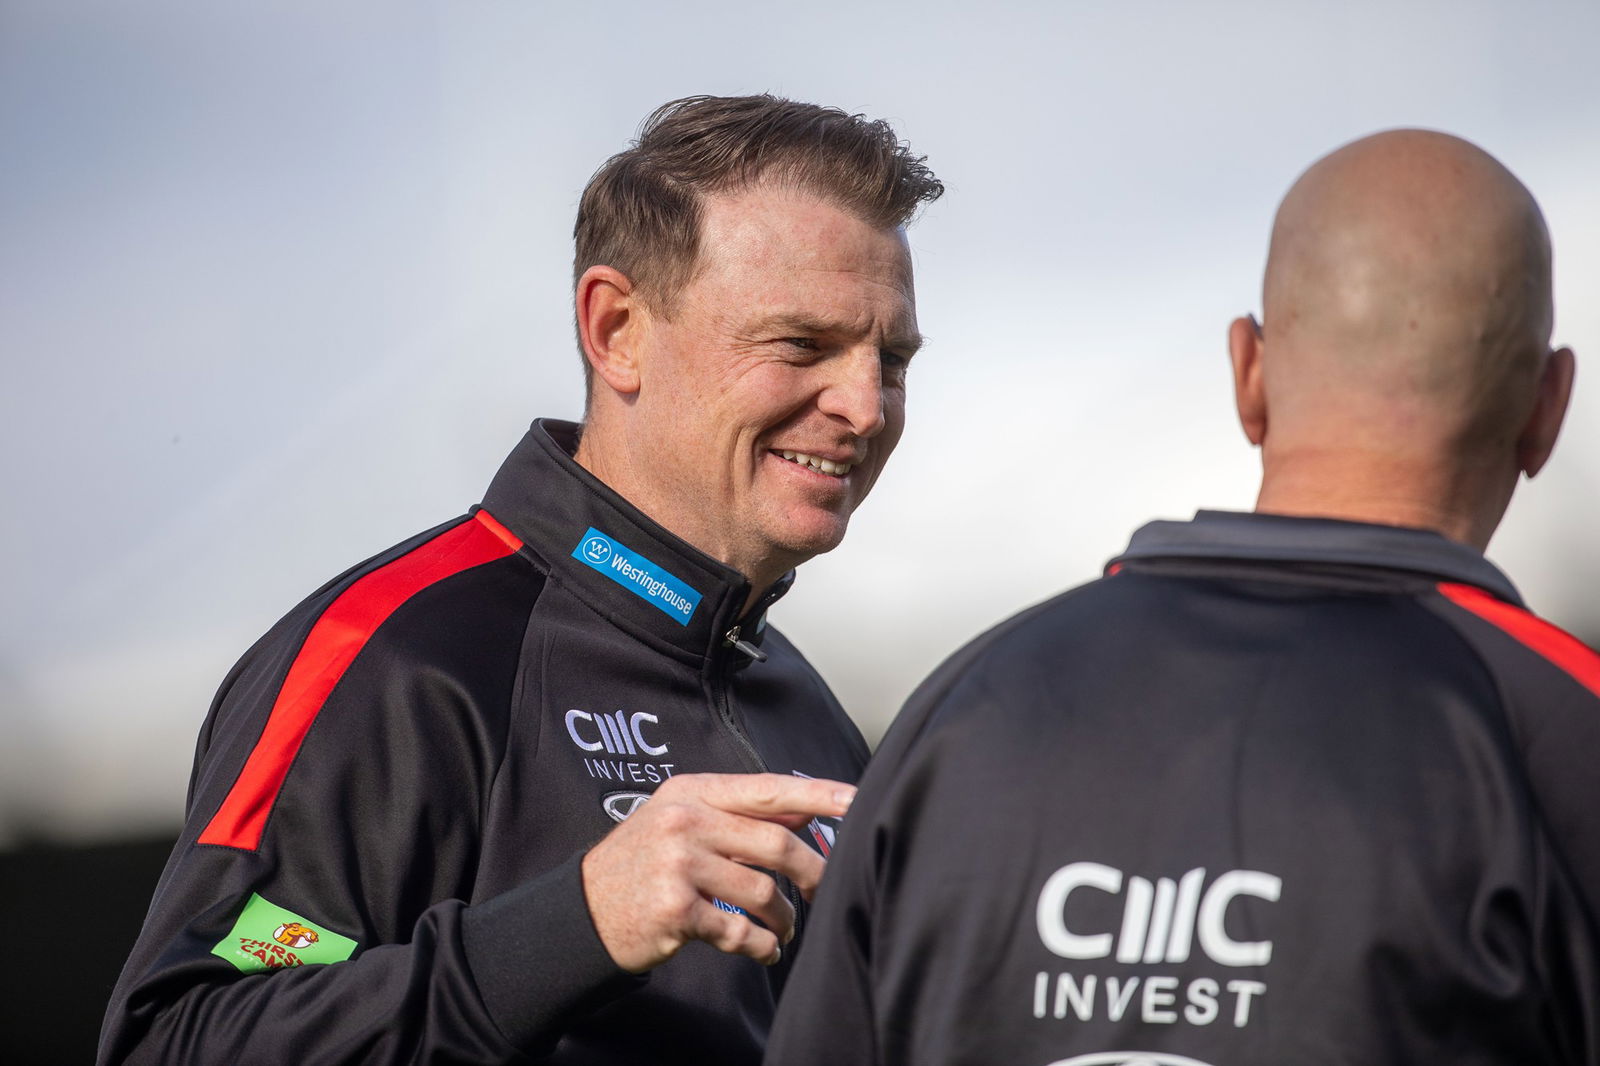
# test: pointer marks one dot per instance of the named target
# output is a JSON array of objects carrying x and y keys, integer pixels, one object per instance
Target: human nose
[{"x": 854, "y": 393}]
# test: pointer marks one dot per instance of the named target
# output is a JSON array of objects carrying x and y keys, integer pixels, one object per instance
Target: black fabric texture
[
  {"x": 537, "y": 959},
  {"x": 1394, "y": 796},
  {"x": 438, "y": 806}
]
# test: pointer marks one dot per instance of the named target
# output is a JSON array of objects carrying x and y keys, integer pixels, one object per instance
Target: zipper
[
  {"x": 719, "y": 692},
  {"x": 732, "y": 640}
]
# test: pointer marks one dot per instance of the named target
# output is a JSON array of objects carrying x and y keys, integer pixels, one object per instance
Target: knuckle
[
  {"x": 766, "y": 791},
  {"x": 765, "y": 837},
  {"x": 674, "y": 818},
  {"x": 727, "y": 939},
  {"x": 678, "y": 857},
  {"x": 739, "y": 933},
  {"x": 773, "y": 840},
  {"x": 678, "y": 906},
  {"x": 809, "y": 870},
  {"x": 674, "y": 785}
]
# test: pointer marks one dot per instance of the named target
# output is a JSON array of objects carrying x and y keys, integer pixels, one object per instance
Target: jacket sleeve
[
  {"x": 830, "y": 1012},
  {"x": 827, "y": 1011},
  {"x": 1549, "y": 683},
  {"x": 341, "y": 930}
]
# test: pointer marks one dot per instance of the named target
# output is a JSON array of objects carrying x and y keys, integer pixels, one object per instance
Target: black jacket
[
  {"x": 1275, "y": 791},
  {"x": 400, "y": 778}
]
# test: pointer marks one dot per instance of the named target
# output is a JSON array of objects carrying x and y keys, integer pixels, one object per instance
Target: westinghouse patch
[
  {"x": 268, "y": 937},
  {"x": 649, "y": 581}
]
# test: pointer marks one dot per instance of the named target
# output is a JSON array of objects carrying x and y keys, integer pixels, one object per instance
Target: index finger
[{"x": 773, "y": 796}]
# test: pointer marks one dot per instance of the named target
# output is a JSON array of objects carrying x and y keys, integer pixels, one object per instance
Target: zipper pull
[{"x": 732, "y": 640}]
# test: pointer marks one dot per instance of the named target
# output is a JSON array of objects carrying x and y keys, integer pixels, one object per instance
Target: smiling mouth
[{"x": 820, "y": 465}]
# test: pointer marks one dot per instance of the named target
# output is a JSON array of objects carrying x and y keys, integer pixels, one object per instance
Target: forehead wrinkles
[
  {"x": 834, "y": 302},
  {"x": 782, "y": 230},
  {"x": 779, "y": 258}
]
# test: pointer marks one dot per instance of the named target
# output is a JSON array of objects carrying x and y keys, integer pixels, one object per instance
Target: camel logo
[
  {"x": 269, "y": 937},
  {"x": 295, "y": 935}
]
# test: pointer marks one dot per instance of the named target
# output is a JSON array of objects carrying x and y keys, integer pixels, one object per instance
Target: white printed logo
[
  {"x": 1159, "y": 921},
  {"x": 618, "y": 733},
  {"x": 1128, "y": 1058},
  {"x": 596, "y": 550},
  {"x": 620, "y": 805},
  {"x": 626, "y": 741}
]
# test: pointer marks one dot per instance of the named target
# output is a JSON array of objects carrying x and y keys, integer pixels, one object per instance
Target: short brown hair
[{"x": 640, "y": 213}]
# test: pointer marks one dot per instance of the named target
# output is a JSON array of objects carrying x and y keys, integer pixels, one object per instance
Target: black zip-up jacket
[
  {"x": 394, "y": 788},
  {"x": 1276, "y": 791}
]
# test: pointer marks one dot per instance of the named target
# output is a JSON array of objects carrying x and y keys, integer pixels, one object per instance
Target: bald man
[{"x": 1308, "y": 785}]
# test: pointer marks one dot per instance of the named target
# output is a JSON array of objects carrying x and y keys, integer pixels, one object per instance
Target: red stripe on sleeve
[
  {"x": 1554, "y": 643},
  {"x": 508, "y": 538},
  {"x": 333, "y": 643}
]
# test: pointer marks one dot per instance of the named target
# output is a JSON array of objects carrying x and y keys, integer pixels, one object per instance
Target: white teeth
[{"x": 826, "y": 466}]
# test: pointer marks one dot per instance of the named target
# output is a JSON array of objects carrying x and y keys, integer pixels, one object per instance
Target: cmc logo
[
  {"x": 1159, "y": 921},
  {"x": 596, "y": 549},
  {"x": 1128, "y": 1058},
  {"x": 617, "y": 733}
]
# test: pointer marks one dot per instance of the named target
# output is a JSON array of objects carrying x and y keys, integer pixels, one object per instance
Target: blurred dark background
[{"x": 71, "y": 914}]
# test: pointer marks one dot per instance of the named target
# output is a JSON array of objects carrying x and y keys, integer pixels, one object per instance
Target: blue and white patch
[{"x": 662, "y": 590}]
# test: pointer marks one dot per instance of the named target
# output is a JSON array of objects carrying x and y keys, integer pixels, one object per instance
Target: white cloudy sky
[{"x": 281, "y": 283}]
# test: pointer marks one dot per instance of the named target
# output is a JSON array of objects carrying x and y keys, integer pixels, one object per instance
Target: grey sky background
[{"x": 280, "y": 285}]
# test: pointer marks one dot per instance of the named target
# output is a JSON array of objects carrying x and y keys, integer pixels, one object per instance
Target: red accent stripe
[
  {"x": 508, "y": 538},
  {"x": 333, "y": 643},
  {"x": 822, "y": 841},
  {"x": 1554, "y": 643}
]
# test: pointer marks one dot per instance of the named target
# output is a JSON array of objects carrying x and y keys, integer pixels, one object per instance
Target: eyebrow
[{"x": 908, "y": 342}]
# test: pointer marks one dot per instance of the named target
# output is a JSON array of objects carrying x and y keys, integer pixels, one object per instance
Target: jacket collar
[
  {"x": 643, "y": 578},
  {"x": 1281, "y": 538}
]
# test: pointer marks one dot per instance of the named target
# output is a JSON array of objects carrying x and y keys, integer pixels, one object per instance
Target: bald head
[
  {"x": 1407, "y": 311},
  {"x": 1409, "y": 277}
]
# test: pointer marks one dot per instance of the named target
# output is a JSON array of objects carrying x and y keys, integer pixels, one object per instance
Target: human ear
[
  {"x": 1249, "y": 395},
  {"x": 1538, "y": 437},
  {"x": 609, "y": 321}
]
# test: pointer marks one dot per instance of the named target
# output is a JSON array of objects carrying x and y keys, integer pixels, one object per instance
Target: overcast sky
[{"x": 280, "y": 284}]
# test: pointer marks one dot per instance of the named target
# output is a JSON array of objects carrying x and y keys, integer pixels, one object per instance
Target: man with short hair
[
  {"x": 1307, "y": 785},
  {"x": 397, "y": 845}
]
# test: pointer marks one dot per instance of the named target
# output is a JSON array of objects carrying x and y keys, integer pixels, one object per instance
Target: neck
[
  {"x": 616, "y": 473},
  {"x": 1458, "y": 501}
]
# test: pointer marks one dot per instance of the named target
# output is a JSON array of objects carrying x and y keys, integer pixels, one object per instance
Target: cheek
[
  {"x": 894, "y": 421},
  {"x": 770, "y": 395}
]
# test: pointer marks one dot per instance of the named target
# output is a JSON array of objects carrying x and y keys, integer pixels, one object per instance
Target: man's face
[{"x": 773, "y": 391}]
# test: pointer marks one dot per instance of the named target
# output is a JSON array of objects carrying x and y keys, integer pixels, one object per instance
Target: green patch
[{"x": 267, "y": 937}]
